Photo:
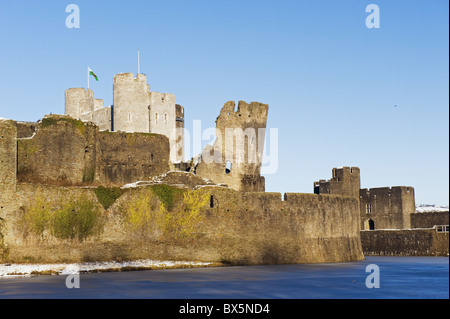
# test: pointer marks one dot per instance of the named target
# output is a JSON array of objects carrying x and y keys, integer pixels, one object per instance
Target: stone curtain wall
[
  {"x": 429, "y": 219},
  {"x": 232, "y": 227},
  {"x": 66, "y": 151},
  {"x": 405, "y": 242},
  {"x": 130, "y": 157}
]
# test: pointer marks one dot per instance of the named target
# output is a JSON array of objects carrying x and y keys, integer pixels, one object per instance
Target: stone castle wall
[
  {"x": 405, "y": 242},
  {"x": 65, "y": 151},
  {"x": 236, "y": 228},
  {"x": 8, "y": 160},
  {"x": 62, "y": 152},
  {"x": 129, "y": 157},
  {"x": 429, "y": 219}
]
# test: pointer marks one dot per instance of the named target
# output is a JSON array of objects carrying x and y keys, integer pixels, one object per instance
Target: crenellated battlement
[
  {"x": 129, "y": 78},
  {"x": 79, "y": 92},
  {"x": 388, "y": 191}
]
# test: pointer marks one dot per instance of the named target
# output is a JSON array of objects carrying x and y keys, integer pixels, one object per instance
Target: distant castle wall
[
  {"x": 405, "y": 242},
  {"x": 235, "y": 158},
  {"x": 101, "y": 117},
  {"x": 429, "y": 219},
  {"x": 65, "y": 151},
  {"x": 387, "y": 207}
]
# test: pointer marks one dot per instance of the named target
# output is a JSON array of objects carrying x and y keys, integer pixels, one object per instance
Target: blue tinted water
[{"x": 399, "y": 277}]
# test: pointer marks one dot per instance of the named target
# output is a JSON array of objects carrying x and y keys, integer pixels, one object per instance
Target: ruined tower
[{"x": 235, "y": 158}]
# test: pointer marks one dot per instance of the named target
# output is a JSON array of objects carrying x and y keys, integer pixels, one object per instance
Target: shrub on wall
[
  {"x": 175, "y": 216},
  {"x": 107, "y": 196},
  {"x": 76, "y": 218},
  {"x": 167, "y": 194}
]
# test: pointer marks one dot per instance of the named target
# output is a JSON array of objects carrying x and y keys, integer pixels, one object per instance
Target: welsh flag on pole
[{"x": 92, "y": 73}]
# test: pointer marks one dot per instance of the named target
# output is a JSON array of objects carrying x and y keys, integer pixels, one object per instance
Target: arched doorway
[{"x": 369, "y": 224}]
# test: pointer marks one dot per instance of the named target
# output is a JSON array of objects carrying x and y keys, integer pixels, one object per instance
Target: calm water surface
[{"x": 400, "y": 277}]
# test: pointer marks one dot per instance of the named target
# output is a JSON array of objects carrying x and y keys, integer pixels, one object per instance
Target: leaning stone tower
[{"x": 235, "y": 158}]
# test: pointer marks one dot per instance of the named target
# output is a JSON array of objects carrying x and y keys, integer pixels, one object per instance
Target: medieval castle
[{"x": 133, "y": 152}]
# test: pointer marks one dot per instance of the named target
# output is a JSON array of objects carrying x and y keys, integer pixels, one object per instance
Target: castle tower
[
  {"x": 78, "y": 101},
  {"x": 131, "y": 103},
  {"x": 345, "y": 181},
  {"x": 167, "y": 118},
  {"x": 235, "y": 158}
]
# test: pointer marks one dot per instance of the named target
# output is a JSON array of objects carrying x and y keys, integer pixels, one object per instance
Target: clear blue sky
[{"x": 330, "y": 82}]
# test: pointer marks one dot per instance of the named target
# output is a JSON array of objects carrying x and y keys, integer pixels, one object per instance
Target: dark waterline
[{"x": 400, "y": 278}]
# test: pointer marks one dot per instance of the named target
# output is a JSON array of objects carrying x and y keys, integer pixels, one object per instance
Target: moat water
[{"x": 398, "y": 277}]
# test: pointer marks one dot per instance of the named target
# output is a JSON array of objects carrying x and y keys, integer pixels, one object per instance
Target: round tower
[
  {"x": 131, "y": 102},
  {"x": 78, "y": 101}
]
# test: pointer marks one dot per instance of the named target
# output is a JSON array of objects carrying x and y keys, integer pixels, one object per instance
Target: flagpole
[
  {"x": 88, "y": 77},
  {"x": 139, "y": 64}
]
